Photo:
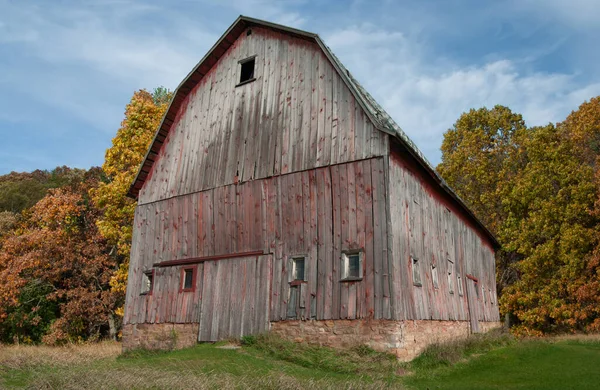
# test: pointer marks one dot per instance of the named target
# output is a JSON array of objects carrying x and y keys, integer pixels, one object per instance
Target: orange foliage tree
[{"x": 55, "y": 270}]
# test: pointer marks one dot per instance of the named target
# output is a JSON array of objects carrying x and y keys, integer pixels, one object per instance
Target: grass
[
  {"x": 265, "y": 363},
  {"x": 505, "y": 363},
  {"x": 491, "y": 361}
]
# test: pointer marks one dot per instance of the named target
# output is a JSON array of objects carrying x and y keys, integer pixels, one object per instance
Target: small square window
[
  {"x": 352, "y": 266},
  {"x": 298, "y": 268},
  {"x": 188, "y": 279},
  {"x": 434, "y": 276},
  {"x": 416, "y": 271},
  {"x": 247, "y": 70},
  {"x": 147, "y": 282}
]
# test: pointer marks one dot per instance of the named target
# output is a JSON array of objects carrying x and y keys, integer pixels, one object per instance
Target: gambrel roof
[{"x": 380, "y": 119}]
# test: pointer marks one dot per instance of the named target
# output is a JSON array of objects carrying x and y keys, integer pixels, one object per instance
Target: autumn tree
[
  {"x": 122, "y": 160},
  {"x": 550, "y": 224},
  {"x": 55, "y": 270},
  {"x": 481, "y": 154},
  {"x": 19, "y": 191},
  {"x": 537, "y": 189}
]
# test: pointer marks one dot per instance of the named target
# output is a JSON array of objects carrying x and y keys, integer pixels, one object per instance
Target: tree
[
  {"x": 550, "y": 225},
  {"x": 480, "y": 156},
  {"x": 538, "y": 190},
  {"x": 142, "y": 117},
  {"x": 55, "y": 270}
]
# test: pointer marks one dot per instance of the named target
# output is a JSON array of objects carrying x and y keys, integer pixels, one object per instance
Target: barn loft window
[
  {"x": 416, "y": 271},
  {"x": 247, "y": 70},
  {"x": 434, "y": 276},
  {"x": 450, "y": 276},
  {"x": 147, "y": 282},
  {"x": 188, "y": 279},
  {"x": 460, "y": 286},
  {"x": 298, "y": 268},
  {"x": 352, "y": 265}
]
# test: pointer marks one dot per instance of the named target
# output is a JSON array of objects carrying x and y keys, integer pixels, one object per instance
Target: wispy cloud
[
  {"x": 69, "y": 69},
  {"x": 426, "y": 95}
]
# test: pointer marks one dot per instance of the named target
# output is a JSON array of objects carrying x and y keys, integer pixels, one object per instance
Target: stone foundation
[
  {"x": 165, "y": 336},
  {"x": 406, "y": 339}
]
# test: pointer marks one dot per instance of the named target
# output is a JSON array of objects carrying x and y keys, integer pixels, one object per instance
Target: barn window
[
  {"x": 188, "y": 279},
  {"x": 352, "y": 265},
  {"x": 247, "y": 70},
  {"x": 491, "y": 296},
  {"x": 450, "y": 276},
  {"x": 298, "y": 268},
  {"x": 434, "y": 276},
  {"x": 416, "y": 271},
  {"x": 147, "y": 282},
  {"x": 460, "y": 286}
]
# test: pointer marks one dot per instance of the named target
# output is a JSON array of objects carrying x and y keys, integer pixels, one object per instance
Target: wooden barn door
[
  {"x": 235, "y": 298},
  {"x": 472, "y": 298}
]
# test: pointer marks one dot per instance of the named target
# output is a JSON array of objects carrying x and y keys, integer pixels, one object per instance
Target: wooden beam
[
  {"x": 194, "y": 260},
  {"x": 473, "y": 278}
]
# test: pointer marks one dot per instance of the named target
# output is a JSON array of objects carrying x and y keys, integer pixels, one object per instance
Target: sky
[{"x": 68, "y": 68}]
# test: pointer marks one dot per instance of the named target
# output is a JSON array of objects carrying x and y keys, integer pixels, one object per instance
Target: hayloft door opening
[
  {"x": 235, "y": 298},
  {"x": 472, "y": 300}
]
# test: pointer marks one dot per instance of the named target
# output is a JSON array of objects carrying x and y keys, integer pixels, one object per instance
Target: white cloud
[{"x": 425, "y": 95}]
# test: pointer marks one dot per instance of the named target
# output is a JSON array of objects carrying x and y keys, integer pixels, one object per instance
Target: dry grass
[
  {"x": 102, "y": 366},
  {"x": 144, "y": 378},
  {"x": 27, "y": 356}
]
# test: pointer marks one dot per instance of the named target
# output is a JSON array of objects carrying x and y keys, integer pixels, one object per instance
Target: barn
[{"x": 278, "y": 196}]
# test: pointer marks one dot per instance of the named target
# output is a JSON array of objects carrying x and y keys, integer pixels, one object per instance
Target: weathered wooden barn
[{"x": 277, "y": 195}]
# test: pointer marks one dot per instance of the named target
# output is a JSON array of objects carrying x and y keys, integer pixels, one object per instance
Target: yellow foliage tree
[{"x": 142, "y": 117}]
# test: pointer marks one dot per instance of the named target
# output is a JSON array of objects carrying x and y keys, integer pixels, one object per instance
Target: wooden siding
[
  {"x": 298, "y": 114},
  {"x": 235, "y": 298},
  {"x": 427, "y": 226},
  {"x": 318, "y": 213}
]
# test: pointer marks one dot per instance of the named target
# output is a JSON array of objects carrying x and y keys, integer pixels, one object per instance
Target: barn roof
[{"x": 381, "y": 119}]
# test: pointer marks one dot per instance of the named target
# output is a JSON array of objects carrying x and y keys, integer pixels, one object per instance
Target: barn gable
[
  {"x": 330, "y": 141},
  {"x": 297, "y": 113}
]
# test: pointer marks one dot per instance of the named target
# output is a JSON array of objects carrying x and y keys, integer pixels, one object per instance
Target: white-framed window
[
  {"x": 298, "y": 268},
  {"x": 147, "y": 282},
  {"x": 450, "y": 276},
  {"x": 416, "y": 271},
  {"x": 434, "y": 276},
  {"x": 460, "y": 286},
  {"x": 352, "y": 265}
]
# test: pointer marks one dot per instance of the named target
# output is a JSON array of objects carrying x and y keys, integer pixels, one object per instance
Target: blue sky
[{"x": 67, "y": 68}]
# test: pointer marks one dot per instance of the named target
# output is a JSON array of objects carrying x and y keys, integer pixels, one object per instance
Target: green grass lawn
[
  {"x": 531, "y": 364},
  {"x": 484, "y": 362}
]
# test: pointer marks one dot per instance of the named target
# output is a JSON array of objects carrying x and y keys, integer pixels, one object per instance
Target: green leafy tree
[{"x": 550, "y": 225}]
